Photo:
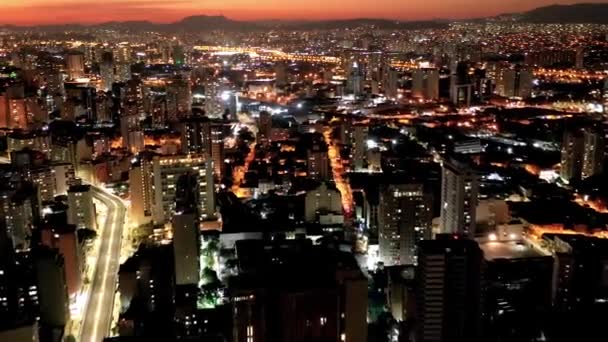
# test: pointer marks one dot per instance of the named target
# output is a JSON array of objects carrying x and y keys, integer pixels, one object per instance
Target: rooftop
[{"x": 508, "y": 250}]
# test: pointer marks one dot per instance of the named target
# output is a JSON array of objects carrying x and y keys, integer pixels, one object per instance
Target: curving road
[{"x": 98, "y": 314}]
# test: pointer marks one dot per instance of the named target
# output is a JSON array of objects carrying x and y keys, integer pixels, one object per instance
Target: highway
[
  {"x": 97, "y": 317},
  {"x": 100, "y": 305}
]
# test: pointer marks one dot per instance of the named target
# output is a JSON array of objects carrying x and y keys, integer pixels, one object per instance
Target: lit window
[{"x": 250, "y": 333}]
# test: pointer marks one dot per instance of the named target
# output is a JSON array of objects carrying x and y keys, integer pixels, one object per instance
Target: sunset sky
[{"x": 29, "y": 12}]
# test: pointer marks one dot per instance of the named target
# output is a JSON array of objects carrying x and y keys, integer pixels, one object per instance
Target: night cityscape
[{"x": 281, "y": 171}]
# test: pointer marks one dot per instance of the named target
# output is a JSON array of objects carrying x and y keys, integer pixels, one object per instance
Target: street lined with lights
[{"x": 98, "y": 315}]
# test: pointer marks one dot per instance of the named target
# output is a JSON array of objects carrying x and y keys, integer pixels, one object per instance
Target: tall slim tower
[
  {"x": 593, "y": 157},
  {"x": 185, "y": 230},
  {"x": 459, "y": 192},
  {"x": 106, "y": 70},
  {"x": 359, "y": 146},
  {"x": 573, "y": 148},
  {"x": 605, "y": 96}
]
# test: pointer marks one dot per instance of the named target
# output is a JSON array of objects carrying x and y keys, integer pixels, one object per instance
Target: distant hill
[
  {"x": 578, "y": 13},
  {"x": 207, "y": 23},
  {"x": 386, "y": 24}
]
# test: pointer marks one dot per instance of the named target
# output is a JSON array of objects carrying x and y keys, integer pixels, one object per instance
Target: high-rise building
[
  {"x": 186, "y": 237},
  {"x": 593, "y": 157},
  {"x": 103, "y": 108},
  {"x": 461, "y": 87},
  {"x": 15, "y": 109},
  {"x": 459, "y": 195},
  {"x": 390, "y": 82},
  {"x": 20, "y": 210},
  {"x": 449, "y": 290},
  {"x": 321, "y": 200},
  {"x": 355, "y": 83},
  {"x": 133, "y": 94},
  {"x": 217, "y": 149},
  {"x": 165, "y": 173},
  {"x": 214, "y": 106},
  {"x": 404, "y": 220},
  {"x": 552, "y": 58},
  {"x": 18, "y": 290},
  {"x": 106, "y": 70},
  {"x": 467, "y": 51},
  {"x": 49, "y": 68},
  {"x": 515, "y": 82},
  {"x": 130, "y": 131},
  {"x": 185, "y": 225},
  {"x": 179, "y": 99},
  {"x": 580, "y": 287},
  {"x": 64, "y": 239},
  {"x": 64, "y": 176},
  {"x": 132, "y": 106},
  {"x": 81, "y": 210},
  {"x": 605, "y": 96},
  {"x": 52, "y": 290},
  {"x": 195, "y": 134},
  {"x": 140, "y": 191},
  {"x": 359, "y": 146},
  {"x": 573, "y": 148},
  {"x": 283, "y": 297},
  {"x": 178, "y": 54},
  {"x": 280, "y": 70},
  {"x": 75, "y": 65},
  {"x": 318, "y": 162},
  {"x": 425, "y": 84},
  {"x": 37, "y": 141},
  {"x": 518, "y": 281},
  {"x": 123, "y": 60},
  {"x": 44, "y": 178},
  {"x": 264, "y": 125}
]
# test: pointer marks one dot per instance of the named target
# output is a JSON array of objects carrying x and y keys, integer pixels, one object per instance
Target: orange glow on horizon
[{"x": 34, "y": 12}]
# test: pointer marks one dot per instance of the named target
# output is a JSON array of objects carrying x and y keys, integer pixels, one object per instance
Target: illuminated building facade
[
  {"x": 425, "y": 84},
  {"x": 81, "y": 209},
  {"x": 459, "y": 196},
  {"x": 166, "y": 171},
  {"x": 515, "y": 82},
  {"x": 404, "y": 220},
  {"x": 75, "y": 65},
  {"x": 318, "y": 162}
]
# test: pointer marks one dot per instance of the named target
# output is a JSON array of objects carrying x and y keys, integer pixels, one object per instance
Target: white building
[
  {"x": 165, "y": 172},
  {"x": 81, "y": 210},
  {"x": 321, "y": 200}
]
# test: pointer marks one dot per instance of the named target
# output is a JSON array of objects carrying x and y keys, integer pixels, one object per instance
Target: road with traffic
[{"x": 98, "y": 313}]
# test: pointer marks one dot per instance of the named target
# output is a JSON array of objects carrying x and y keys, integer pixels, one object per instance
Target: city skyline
[
  {"x": 271, "y": 171},
  {"x": 42, "y": 12}
]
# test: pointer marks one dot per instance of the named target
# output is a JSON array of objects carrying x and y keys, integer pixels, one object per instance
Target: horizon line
[{"x": 304, "y": 20}]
